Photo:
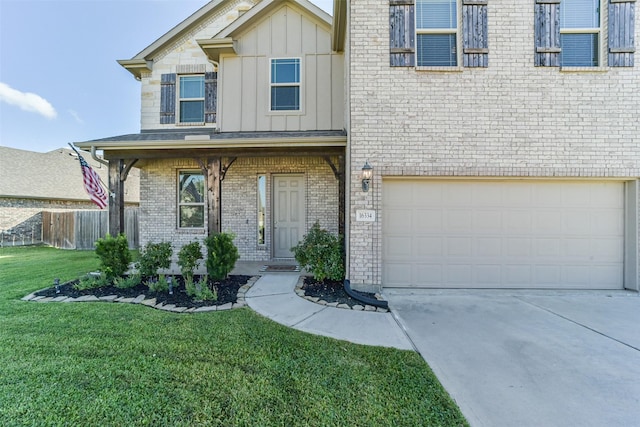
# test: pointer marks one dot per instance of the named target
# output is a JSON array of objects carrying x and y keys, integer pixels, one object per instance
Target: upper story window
[
  {"x": 579, "y": 39},
  {"x": 285, "y": 84},
  {"x": 192, "y": 99},
  {"x": 188, "y": 99},
  {"x": 580, "y": 33},
  {"x": 430, "y": 33},
  {"x": 436, "y": 29},
  {"x": 190, "y": 199}
]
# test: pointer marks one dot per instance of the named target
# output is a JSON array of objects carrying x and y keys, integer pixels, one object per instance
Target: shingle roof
[
  {"x": 183, "y": 134},
  {"x": 54, "y": 175}
]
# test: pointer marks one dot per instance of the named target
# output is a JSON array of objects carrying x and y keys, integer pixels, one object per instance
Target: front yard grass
[{"x": 120, "y": 364}]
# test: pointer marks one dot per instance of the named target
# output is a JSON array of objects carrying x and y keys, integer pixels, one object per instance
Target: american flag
[{"x": 92, "y": 184}]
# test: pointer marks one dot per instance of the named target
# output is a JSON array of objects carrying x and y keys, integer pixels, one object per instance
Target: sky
[{"x": 59, "y": 79}]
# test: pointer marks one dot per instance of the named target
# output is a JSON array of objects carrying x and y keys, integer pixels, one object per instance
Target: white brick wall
[
  {"x": 510, "y": 119},
  {"x": 158, "y": 221}
]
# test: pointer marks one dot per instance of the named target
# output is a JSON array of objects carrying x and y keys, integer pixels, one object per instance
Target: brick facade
[
  {"x": 158, "y": 215},
  {"x": 511, "y": 119}
]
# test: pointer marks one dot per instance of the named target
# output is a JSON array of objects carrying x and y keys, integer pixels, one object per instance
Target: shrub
[
  {"x": 159, "y": 285},
  {"x": 91, "y": 282},
  {"x": 127, "y": 282},
  {"x": 114, "y": 255},
  {"x": 188, "y": 258},
  {"x": 222, "y": 255},
  {"x": 320, "y": 253},
  {"x": 200, "y": 290},
  {"x": 153, "y": 257}
]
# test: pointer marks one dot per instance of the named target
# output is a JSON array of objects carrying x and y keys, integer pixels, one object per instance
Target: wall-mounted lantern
[{"x": 367, "y": 173}]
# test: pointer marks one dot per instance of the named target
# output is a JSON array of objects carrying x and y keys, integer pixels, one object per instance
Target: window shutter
[
  {"x": 210, "y": 96},
  {"x": 167, "y": 99},
  {"x": 402, "y": 33},
  {"x": 547, "y": 33},
  {"x": 475, "y": 45},
  {"x": 621, "y": 28}
]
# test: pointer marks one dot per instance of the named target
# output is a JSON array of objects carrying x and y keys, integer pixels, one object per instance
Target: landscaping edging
[
  {"x": 358, "y": 307},
  {"x": 149, "y": 302}
]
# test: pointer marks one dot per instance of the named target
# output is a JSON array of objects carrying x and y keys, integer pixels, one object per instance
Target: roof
[
  {"x": 55, "y": 175},
  {"x": 143, "y": 61},
  {"x": 209, "y": 138}
]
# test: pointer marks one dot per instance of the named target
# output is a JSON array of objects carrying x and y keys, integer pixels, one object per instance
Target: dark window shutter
[
  {"x": 402, "y": 33},
  {"x": 547, "y": 33},
  {"x": 475, "y": 43},
  {"x": 167, "y": 99},
  {"x": 210, "y": 96},
  {"x": 621, "y": 29}
]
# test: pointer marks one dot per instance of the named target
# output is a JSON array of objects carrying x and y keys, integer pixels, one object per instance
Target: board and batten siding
[{"x": 244, "y": 77}]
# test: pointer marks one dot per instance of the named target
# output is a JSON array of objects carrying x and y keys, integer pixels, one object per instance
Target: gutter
[{"x": 96, "y": 158}]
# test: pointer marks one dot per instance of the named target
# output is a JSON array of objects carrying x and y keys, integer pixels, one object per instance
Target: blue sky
[{"x": 59, "y": 79}]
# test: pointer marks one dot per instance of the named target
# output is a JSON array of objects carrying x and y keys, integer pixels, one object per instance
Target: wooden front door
[{"x": 288, "y": 213}]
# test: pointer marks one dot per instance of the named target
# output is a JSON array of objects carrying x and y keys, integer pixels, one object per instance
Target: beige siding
[{"x": 286, "y": 32}]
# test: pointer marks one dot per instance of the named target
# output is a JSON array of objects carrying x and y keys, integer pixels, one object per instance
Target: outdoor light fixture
[
  {"x": 56, "y": 283},
  {"x": 367, "y": 173}
]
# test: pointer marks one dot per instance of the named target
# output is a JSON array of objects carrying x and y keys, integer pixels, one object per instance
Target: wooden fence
[{"x": 81, "y": 229}]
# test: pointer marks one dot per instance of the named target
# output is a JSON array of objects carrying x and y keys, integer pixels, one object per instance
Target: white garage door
[{"x": 503, "y": 234}]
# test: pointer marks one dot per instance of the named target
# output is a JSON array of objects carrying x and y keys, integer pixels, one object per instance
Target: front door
[{"x": 288, "y": 213}]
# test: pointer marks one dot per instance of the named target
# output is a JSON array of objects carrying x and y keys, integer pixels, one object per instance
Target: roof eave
[
  {"x": 214, "y": 47},
  {"x": 136, "y": 66},
  {"x": 205, "y": 143}
]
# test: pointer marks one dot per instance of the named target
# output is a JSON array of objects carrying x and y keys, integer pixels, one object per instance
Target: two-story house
[
  {"x": 504, "y": 142},
  {"x": 242, "y": 129},
  {"x": 455, "y": 143}
]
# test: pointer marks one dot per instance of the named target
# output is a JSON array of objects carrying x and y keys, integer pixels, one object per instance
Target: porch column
[
  {"x": 116, "y": 197},
  {"x": 214, "y": 189}
]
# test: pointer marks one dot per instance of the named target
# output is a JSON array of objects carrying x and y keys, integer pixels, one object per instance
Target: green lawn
[{"x": 103, "y": 364}]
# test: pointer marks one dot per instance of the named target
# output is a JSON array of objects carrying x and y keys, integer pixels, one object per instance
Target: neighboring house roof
[
  {"x": 208, "y": 138},
  {"x": 55, "y": 175}
]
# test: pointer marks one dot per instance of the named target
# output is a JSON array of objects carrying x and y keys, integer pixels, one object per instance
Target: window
[
  {"x": 191, "y": 200},
  {"x": 192, "y": 99},
  {"x": 579, "y": 33},
  {"x": 262, "y": 208},
  {"x": 436, "y": 32},
  {"x": 285, "y": 84}
]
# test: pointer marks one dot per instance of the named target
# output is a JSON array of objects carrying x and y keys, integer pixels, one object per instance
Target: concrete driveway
[{"x": 530, "y": 358}]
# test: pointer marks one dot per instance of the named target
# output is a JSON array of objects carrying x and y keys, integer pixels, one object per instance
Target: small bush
[
  {"x": 200, "y": 290},
  {"x": 159, "y": 285},
  {"x": 320, "y": 253},
  {"x": 127, "y": 282},
  {"x": 153, "y": 257},
  {"x": 222, "y": 255},
  {"x": 114, "y": 255},
  {"x": 188, "y": 258},
  {"x": 91, "y": 282}
]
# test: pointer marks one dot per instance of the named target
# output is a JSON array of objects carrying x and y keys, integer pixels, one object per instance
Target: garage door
[{"x": 503, "y": 234}]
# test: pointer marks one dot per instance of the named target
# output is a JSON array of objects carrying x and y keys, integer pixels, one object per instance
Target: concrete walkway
[{"x": 274, "y": 297}]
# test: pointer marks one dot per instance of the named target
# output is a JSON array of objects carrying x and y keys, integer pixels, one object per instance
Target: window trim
[
  {"x": 594, "y": 30},
  {"x": 179, "y": 100},
  {"x": 259, "y": 206},
  {"x": 440, "y": 31},
  {"x": 298, "y": 85},
  {"x": 180, "y": 204}
]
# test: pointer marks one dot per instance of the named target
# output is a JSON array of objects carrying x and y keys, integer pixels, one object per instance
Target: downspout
[{"x": 95, "y": 157}]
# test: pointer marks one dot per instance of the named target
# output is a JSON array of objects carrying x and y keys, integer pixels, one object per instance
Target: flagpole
[{"x": 99, "y": 177}]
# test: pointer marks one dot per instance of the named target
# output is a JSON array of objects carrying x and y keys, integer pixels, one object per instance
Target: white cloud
[
  {"x": 27, "y": 101},
  {"x": 76, "y": 116}
]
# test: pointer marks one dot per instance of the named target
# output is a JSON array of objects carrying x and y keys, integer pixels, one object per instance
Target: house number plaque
[{"x": 365, "y": 215}]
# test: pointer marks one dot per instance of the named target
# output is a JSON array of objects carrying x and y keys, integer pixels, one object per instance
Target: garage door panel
[{"x": 520, "y": 234}]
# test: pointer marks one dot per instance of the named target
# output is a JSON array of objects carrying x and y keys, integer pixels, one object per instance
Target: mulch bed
[
  {"x": 331, "y": 291},
  {"x": 227, "y": 292}
]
